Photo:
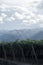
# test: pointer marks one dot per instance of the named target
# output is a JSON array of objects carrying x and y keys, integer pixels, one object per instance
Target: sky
[{"x": 21, "y": 14}]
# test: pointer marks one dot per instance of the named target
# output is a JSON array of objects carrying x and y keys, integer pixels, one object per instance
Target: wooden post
[
  {"x": 34, "y": 54},
  {"x": 22, "y": 52},
  {"x": 4, "y": 51},
  {"x": 12, "y": 50}
]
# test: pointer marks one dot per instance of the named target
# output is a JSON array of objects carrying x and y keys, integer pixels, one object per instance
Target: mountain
[
  {"x": 38, "y": 36},
  {"x": 17, "y": 34}
]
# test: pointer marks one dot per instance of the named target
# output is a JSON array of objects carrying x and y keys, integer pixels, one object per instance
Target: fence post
[{"x": 34, "y": 54}]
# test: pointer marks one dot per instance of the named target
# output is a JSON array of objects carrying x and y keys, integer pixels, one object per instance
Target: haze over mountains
[
  {"x": 38, "y": 36},
  {"x": 12, "y": 35}
]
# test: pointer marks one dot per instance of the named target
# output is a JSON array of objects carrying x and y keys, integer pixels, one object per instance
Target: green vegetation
[{"x": 23, "y": 51}]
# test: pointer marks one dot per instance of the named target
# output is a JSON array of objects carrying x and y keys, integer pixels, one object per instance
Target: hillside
[
  {"x": 38, "y": 36},
  {"x": 17, "y": 34}
]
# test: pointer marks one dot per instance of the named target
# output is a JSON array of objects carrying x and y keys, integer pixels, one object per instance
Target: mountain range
[
  {"x": 12, "y": 35},
  {"x": 38, "y": 36}
]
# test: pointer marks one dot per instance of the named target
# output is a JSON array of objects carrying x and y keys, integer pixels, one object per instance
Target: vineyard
[{"x": 25, "y": 51}]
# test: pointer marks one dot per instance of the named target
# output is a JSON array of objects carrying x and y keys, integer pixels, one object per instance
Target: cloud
[
  {"x": 3, "y": 6},
  {"x": 25, "y": 21},
  {"x": 1, "y": 19},
  {"x": 25, "y": 11},
  {"x": 41, "y": 25},
  {"x": 27, "y": 3},
  {"x": 32, "y": 21},
  {"x": 18, "y": 15},
  {"x": 3, "y": 15},
  {"x": 40, "y": 16},
  {"x": 10, "y": 19}
]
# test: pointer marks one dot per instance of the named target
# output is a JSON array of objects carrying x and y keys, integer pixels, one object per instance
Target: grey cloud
[
  {"x": 17, "y": 23},
  {"x": 40, "y": 7}
]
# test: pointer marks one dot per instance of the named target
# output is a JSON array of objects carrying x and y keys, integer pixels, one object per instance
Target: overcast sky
[{"x": 20, "y": 14}]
